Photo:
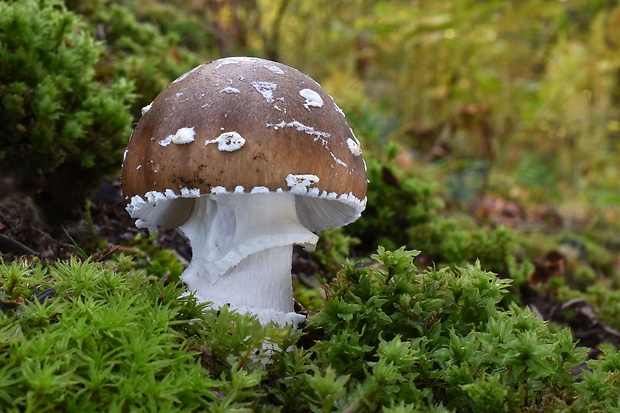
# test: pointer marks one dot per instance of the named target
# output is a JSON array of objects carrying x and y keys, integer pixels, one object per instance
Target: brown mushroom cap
[{"x": 245, "y": 125}]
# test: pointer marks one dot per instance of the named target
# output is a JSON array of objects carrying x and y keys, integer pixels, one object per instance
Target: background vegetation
[{"x": 491, "y": 132}]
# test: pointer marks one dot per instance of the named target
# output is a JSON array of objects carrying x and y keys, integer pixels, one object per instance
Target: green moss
[
  {"x": 58, "y": 122},
  {"x": 139, "y": 43},
  {"x": 447, "y": 242},
  {"x": 407, "y": 211},
  {"x": 159, "y": 262},
  {"x": 334, "y": 248},
  {"x": 439, "y": 338},
  {"x": 394, "y": 205},
  {"x": 103, "y": 340},
  {"x": 311, "y": 298},
  {"x": 389, "y": 337}
]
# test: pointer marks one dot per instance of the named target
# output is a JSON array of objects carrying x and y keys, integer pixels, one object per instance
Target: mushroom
[{"x": 248, "y": 157}]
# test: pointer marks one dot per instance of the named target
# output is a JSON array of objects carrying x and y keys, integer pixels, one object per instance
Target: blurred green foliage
[
  {"x": 408, "y": 211},
  {"x": 490, "y": 81}
]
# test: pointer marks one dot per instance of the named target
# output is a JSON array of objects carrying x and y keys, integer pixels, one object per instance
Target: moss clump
[
  {"x": 439, "y": 339},
  {"x": 58, "y": 122},
  {"x": 445, "y": 241},
  {"x": 407, "y": 211},
  {"x": 394, "y": 205},
  {"x": 144, "y": 42},
  {"x": 103, "y": 340}
]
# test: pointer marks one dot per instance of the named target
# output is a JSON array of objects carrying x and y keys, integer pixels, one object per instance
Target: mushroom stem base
[{"x": 260, "y": 284}]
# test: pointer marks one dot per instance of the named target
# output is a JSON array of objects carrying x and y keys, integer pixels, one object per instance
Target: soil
[{"x": 106, "y": 227}]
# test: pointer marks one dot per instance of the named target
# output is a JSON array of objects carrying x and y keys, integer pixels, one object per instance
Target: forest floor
[{"x": 106, "y": 229}]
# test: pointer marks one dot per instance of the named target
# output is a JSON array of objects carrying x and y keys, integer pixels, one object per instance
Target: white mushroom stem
[{"x": 242, "y": 247}]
